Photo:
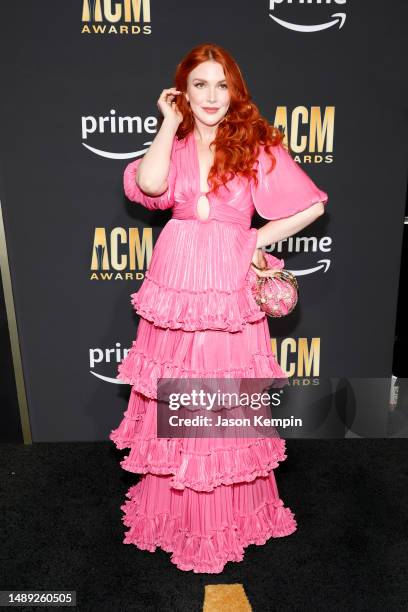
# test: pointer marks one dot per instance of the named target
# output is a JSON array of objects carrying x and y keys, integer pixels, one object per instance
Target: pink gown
[{"x": 204, "y": 499}]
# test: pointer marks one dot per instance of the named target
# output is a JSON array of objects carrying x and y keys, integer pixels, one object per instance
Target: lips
[{"x": 210, "y": 109}]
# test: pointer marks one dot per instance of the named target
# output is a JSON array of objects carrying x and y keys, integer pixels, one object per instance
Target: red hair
[{"x": 242, "y": 129}]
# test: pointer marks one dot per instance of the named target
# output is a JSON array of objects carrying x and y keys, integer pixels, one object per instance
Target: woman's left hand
[
  {"x": 258, "y": 259},
  {"x": 259, "y": 264}
]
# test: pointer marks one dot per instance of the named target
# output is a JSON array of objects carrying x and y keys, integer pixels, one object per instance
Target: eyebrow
[{"x": 205, "y": 81}]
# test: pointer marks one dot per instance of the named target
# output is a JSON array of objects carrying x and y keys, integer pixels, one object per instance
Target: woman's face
[{"x": 208, "y": 89}]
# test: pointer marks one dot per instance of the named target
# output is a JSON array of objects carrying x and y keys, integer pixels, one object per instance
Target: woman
[{"x": 206, "y": 499}]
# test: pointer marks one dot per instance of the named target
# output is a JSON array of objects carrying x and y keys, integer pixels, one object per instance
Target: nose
[{"x": 211, "y": 96}]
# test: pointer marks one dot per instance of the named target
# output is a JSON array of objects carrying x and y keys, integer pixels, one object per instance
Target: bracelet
[{"x": 257, "y": 267}]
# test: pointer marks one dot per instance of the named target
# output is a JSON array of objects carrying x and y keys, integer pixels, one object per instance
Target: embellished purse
[{"x": 276, "y": 295}]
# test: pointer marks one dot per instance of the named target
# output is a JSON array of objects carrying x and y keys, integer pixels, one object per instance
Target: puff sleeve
[
  {"x": 284, "y": 191},
  {"x": 134, "y": 193}
]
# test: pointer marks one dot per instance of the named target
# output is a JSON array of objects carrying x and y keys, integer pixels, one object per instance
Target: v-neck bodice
[{"x": 233, "y": 206}]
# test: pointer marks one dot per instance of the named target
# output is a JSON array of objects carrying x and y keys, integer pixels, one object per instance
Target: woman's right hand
[{"x": 167, "y": 105}]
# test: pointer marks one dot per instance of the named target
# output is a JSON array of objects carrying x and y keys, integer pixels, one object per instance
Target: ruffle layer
[
  {"x": 133, "y": 427},
  {"x": 203, "y": 285},
  {"x": 143, "y": 373},
  {"x": 209, "y": 309},
  {"x": 201, "y": 464},
  {"x": 158, "y": 353},
  {"x": 202, "y": 554},
  {"x": 196, "y": 545},
  {"x": 207, "y": 470}
]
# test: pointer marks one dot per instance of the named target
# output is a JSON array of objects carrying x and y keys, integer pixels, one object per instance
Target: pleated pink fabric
[{"x": 204, "y": 499}]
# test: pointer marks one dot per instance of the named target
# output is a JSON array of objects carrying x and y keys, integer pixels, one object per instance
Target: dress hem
[{"x": 271, "y": 520}]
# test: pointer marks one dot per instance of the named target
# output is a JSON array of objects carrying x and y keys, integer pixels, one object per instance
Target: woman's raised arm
[{"x": 154, "y": 168}]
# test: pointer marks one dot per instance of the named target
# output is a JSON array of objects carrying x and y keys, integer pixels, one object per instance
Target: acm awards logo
[
  {"x": 120, "y": 254},
  {"x": 336, "y": 20},
  {"x": 119, "y": 17},
  {"x": 298, "y": 357},
  {"x": 308, "y": 132}
]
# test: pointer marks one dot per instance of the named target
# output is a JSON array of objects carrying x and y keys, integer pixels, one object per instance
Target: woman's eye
[{"x": 223, "y": 85}]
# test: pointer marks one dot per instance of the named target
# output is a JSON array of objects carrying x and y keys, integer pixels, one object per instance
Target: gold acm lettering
[{"x": 129, "y": 11}]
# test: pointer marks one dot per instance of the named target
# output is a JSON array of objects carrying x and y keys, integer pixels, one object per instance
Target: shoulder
[
  {"x": 268, "y": 157},
  {"x": 276, "y": 150}
]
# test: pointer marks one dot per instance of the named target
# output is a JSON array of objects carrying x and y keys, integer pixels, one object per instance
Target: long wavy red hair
[{"x": 243, "y": 128}]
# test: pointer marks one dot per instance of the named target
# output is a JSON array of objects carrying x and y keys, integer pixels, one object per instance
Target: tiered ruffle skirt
[{"x": 201, "y": 499}]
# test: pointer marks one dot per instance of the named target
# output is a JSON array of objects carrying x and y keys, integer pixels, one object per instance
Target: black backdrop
[{"x": 337, "y": 91}]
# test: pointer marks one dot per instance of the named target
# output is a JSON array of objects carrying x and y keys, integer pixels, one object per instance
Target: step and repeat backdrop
[{"x": 80, "y": 82}]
